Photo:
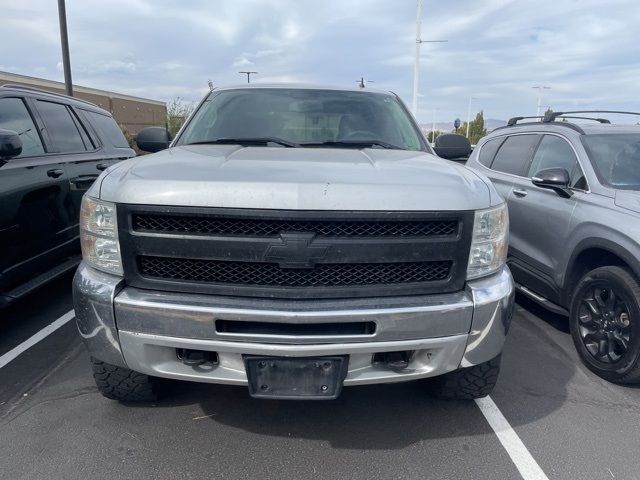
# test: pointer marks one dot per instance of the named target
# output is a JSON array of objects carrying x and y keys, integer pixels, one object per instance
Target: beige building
[{"x": 132, "y": 113}]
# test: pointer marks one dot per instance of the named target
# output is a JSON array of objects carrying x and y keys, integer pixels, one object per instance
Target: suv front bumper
[{"x": 142, "y": 330}]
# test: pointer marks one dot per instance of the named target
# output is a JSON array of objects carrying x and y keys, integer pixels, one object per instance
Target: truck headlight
[
  {"x": 490, "y": 242},
  {"x": 99, "y": 235}
]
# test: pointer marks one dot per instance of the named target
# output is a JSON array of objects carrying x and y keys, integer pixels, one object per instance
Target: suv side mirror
[
  {"x": 452, "y": 146},
  {"x": 10, "y": 144},
  {"x": 556, "y": 179},
  {"x": 153, "y": 139}
]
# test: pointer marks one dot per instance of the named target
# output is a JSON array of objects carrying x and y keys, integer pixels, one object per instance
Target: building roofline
[{"x": 10, "y": 77}]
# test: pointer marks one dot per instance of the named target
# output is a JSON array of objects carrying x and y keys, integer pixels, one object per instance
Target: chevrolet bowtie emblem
[{"x": 296, "y": 250}]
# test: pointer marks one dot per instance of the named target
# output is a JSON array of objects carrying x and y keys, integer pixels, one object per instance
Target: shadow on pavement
[{"x": 534, "y": 374}]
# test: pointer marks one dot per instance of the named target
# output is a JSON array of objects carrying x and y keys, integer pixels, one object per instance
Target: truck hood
[{"x": 297, "y": 179}]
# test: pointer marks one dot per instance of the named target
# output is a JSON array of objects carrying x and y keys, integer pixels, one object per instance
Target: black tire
[
  {"x": 467, "y": 383},
  {"x": 598, "y": 325},
  {"x": 125, "y": 385}
]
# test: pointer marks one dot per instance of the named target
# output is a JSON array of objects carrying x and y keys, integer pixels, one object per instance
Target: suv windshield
[
  {"x": 303, "y": 118},
  {"x": 616, "y": 158}
]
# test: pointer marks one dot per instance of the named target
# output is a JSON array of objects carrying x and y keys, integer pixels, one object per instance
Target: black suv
[{"x": 52, "y": 148}]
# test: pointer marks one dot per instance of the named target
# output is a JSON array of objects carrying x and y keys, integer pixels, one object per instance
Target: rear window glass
[
  {"x": 514, "y": 153},
  {"x": 616, "y": 158},
  {"x": 108, "y": 128},
  {"x": 62, "y": 129},
  {"x": 488, "y": 151}
]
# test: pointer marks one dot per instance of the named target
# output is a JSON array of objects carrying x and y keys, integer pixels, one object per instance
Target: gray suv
[
  {"x": 293, "y": 240},
  {"x": 573, "y": 192}
]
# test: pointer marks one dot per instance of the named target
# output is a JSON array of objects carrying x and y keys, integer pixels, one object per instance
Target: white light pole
[
  {"x": 433, "y": 126},
  {"x": 416, "y": 63},
  {"x": 469, "y": 114},
  {"x": 540, "y": 88}
]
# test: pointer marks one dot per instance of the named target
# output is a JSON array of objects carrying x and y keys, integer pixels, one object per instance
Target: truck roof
[{"x": 303, "y": 86}]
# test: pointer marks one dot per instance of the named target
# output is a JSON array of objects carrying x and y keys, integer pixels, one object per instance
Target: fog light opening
[
  {"x": 395, "y": 360},
  {"x": 194, "y": 358}
]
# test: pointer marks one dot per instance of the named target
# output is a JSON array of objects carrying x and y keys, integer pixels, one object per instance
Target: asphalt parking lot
[{"x": 54, "y": 423}]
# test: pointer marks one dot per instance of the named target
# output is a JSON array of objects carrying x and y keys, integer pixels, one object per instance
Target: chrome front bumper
[{"x": 142, "y": 329}]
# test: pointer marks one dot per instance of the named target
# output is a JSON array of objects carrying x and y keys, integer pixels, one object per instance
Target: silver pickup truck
[{"x": 293, "y": 239}]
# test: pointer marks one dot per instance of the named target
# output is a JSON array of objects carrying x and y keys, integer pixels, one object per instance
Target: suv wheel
[
  {"x": 467, "y": 383},
  {"x": 605, "y": 323},
  {"x": 125, "y": 385}
]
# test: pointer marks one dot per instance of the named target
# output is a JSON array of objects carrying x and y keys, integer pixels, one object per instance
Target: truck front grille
[
  {"x": 293, "y": 254},
  {"x": 271, "y": 274},
  {"x": 198, "y": 225}
]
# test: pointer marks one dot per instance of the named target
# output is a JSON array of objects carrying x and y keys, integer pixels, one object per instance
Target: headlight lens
[
  {"x": 99, "y": 235},
  {"x": 490, "y": 242}
]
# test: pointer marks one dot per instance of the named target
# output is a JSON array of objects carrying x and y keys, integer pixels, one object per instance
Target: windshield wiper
[
  {"x": 247, "y": 141},
  {"x": 354, "y": 144}
]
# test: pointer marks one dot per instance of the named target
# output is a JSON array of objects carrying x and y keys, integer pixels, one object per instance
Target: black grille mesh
[
  {"x": 265, "y": 227},
  {"x": 269, "y": 274}
]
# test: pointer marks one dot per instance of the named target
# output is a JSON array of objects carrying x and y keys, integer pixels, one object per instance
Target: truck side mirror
[
  {"x": 452, "y": 146},
  {"x": 153, "y": 139},
  {"x": 10, "y": 144},
  {"x": 556, "y": 179}
]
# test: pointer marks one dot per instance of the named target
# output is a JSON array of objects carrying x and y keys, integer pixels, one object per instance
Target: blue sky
[{"x": 587, "y": 51}]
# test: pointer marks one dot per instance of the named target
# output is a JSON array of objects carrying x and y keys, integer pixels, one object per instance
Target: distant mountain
[{"x": 492, "y": 124}]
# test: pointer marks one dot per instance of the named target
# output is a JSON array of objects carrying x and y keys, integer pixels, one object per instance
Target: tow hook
[{"x": 194, "y": 358}]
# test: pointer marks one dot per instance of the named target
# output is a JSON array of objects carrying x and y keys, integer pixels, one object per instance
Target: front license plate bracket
[{"x": 296, "y": 378}]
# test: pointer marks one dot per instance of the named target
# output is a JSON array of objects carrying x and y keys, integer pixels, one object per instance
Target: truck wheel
[
  {"x": 467, "y": 383},
  {"x": 125, "y": 385},
  {"x": 605, "y": 323}
]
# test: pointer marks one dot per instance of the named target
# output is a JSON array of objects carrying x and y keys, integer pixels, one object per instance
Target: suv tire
[
  {"x": 606, "y": 328},
  {"x": 467, "y": 383},
  {"x": 125, "y": 385}
]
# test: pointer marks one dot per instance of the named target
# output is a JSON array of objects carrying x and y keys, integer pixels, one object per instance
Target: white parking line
[
  {"x": 31, "y": 341},
  {"x": 524, "y": 462}
]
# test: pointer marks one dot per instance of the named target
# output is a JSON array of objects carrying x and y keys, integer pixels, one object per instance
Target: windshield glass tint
[
  {"x": 302, "y": 116},
  {"x": 616, "y": 158}
]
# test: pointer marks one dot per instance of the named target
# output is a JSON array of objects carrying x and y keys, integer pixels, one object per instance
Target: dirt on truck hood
[{"x": 296, "y": 178}]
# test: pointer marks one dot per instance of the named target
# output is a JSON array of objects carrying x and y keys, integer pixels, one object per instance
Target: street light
[
  {"x": 469, "y": 114},
  {"x": 433, "y": 126},
  {"x": 416, "y": 64},
  {"x": 362, "y": 83},
  {"x": 540, "y": 88},
  {"x": 64, "y": 41},
  {"x": 248, "y": 74}
]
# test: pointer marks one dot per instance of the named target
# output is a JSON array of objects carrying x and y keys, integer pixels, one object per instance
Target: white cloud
[
  {"x": 241, "y": 62},
  {"x": 497, "y": 49}
]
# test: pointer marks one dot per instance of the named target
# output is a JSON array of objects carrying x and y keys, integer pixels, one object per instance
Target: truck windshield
[
  {"x": 303, "y": 118},
  {"x": 616, "y": 158}
]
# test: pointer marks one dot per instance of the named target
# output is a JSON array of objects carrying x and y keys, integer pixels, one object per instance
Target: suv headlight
[
  {"x": 99, "y": 235},
  {"x": 490, "y": 242}
]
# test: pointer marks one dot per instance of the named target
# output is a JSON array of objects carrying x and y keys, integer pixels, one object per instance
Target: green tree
[
  {"x": 432, "y": 135},
  {"x": 476, "y": 128},
  {"x": 177, "y": 112}
]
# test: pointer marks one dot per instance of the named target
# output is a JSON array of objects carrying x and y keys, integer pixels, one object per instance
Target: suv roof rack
[
  {"x": 514, "y": 120},
  {"x": 599, "y": 120},
  {"x": 46, "y": 92},
  {"x": 551, "y": 116}
]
